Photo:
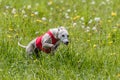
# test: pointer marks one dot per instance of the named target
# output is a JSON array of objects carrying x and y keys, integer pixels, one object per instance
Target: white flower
[
  {"x": 83, "y": 26},
  {"x": 23, "y": 11},
  {"x": 82, "y": 18},
  {"x": 69, "y": 10},
  {"x": 90, "y": 21},
  {"x": 13, "y": 11},
  {"x": 25, "y": 16},
  {"x": 36, "y": 13},
  {"x": 74, "y": 24},
  {"x": 83, "y": 1},
  {"x": 44, "y": 18},
  {"x": 93, "y": 2},
  {"x": 7, "y": 7},
  {"x": 94, "y": 29},
  {"x": 87, "y": 29},
  {"x": 97, "y": 19},
  {"x": 29, "y": 7}
]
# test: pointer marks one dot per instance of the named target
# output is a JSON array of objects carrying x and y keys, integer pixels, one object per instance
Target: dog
[{"x": 48, "y": 42}]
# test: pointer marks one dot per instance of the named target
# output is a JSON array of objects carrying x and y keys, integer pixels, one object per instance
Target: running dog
[{"x": 48, "y": 42}]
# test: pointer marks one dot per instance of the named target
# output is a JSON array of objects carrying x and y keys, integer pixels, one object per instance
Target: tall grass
[{"x": 93, "y": 52}]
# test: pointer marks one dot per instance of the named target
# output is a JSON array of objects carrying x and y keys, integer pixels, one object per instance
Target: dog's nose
[{"x": 67, "y": 42}]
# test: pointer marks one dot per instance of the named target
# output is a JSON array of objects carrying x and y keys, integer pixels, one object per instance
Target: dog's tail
[{"x": 21, "y": 44}]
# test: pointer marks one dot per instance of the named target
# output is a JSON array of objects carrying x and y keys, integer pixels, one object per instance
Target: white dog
[{"x": 48, "y": 42}]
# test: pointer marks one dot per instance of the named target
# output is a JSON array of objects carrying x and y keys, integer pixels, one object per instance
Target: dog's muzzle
[{"x": 66, "y": 43}]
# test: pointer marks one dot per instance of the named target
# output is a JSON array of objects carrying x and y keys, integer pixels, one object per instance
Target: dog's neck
[{"x": 55, "y": 32}]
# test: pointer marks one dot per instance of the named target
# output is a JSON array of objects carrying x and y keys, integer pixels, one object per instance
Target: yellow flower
[
  {"x": 15, "y": 15},
  {"x": 11, "y": 29},
  {"x": 118, "y": 75},
  {"x": 113, "y": 14},
  {"x": 94, "y": 46},
  {"x": 9, "y": 36},
  {"x": 32, "y": 14},
  {"x": 110, "y": 42},
  {"x": 38, "y": 20},
  {"x": 109, "y": 21},
  {"x": 88, "y": 40},
  {"x": 76, "y": 17}
]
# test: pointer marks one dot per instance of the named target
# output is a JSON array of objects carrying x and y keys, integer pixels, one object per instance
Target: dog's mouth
[{"x": 66, "y": 43}]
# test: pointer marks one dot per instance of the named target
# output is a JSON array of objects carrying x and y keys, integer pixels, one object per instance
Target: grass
[{"x": 93, "y": 52}]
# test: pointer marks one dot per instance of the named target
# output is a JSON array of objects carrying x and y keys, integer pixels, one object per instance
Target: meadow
[{"x": 94, "y": 30}]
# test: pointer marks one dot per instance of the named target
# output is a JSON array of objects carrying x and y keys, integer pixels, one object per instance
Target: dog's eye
[{"x": 63, "y": 35}]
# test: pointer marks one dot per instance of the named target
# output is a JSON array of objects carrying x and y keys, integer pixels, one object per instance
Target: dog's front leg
[{"x": 48, "y": 45}]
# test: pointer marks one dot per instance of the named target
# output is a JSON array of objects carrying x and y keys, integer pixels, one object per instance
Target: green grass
[{"x": 91, "y": 54}]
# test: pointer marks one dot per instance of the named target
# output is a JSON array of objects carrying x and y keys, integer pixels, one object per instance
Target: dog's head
[{"x": 63, "y": 35}]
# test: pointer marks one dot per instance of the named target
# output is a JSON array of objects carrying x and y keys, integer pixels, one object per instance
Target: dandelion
[
  {"x": 97, "y": 19},
  {"x": 93, "y": 2},
  {"x": 113, "y": 14},
  {"x": 25, "y": 16},
  {"x": 50, "y": 3},
  {"x": 44, "y": 18},
  {"x": 23, "y": 11},
  {"x": 10, "y": 29},
  {"x": 38, "y": 20},
  {"x": 94, "y": 46},
  {"x": 74, "y": 24},
  {"x": 76, "y": 17},
  {"x": 88, "y": 40},
  {"x": 13, "y": 11},
  {"x": 7, "y": 7},
  {"x": 32, "y": 14},
  {"x": 118, "y": 75},
  {"x": 69, "y": 10},
  {"x": 36, "y": 13},
  {"x": 90, "y": 21},
  {"x": 110, "y": 42},
  {"x": 82, "y": 18},
  {"x": 29, "y": 7},
  {"x": 9, "y": 36},
  {"x": 94, "y": 29},
  {"x": 109, "y": 21}
]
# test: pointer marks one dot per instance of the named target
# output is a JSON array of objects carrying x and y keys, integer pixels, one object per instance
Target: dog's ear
[{"x": 61, "y": 28}]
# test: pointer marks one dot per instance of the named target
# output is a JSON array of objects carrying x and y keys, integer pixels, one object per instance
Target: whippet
[{"x": 48, "y": 42}]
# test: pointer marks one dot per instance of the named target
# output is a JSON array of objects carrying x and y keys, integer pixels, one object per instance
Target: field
[{"x": 94, "y": 30}]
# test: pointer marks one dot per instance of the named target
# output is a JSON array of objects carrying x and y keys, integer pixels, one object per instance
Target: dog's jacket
[{"x": 39, "y": 42}]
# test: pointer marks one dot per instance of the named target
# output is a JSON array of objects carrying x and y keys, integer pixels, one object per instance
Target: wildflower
[
  {"x": 90, "y": 21},
  {"x": 97, "y": 19},
  {"x": 23, "y": 11},
  {"x": 88, "y": 40},
  {"x": 50, "y": 3},
  {"x": 110, "y": 42},
  {"x": 36, "y": 13},
  {"x": 82, "y": 18},
  {"x": 13, "y": 11},
  {"x": 93, "y": 2},
  {"x": 15, "y": 15},
  {"x": 29, "y": 7},
  {"x": 118, "y": 75},
  {"x": 69, "y": 10},
  {"x": 94, "y": 29},
  {"x": 9, "y": 36},
  {"x": 74, "y": 24},
  {"x": 109, "y": 21},
  {"x": 76, "y": 17},
  {"x": 94, "y": 46},
  {"x": 44, "y": 18},
  {"x": 32, "y": 14},
  {"x": 38, "y": 20},
  {"x": 7, "y": 7},
  {"x": 10, "y": 29},
  {"x": 25, "y": 16},
  {"x": 113, "y": 14}
]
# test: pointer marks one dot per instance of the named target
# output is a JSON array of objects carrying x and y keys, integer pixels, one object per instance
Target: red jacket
[{"x": 39, "y": 42}]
